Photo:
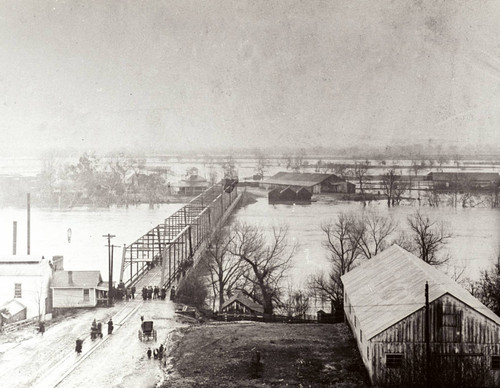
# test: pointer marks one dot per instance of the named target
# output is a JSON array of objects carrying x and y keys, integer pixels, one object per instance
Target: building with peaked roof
[
  {"x": 384, "y": 303},
  {"x": 194, "y": 184},
  {"x": 314, "y": 182},
  {"x": 25, "y": 279},
  {"x": 73, "y": 289},
  {"x": 241, "y": 305}
]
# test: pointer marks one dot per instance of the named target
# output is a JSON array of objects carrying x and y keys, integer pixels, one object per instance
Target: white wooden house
[
  {"x": 384, "y": 302},
  {"x": 25, "y": 279},
  {"x": 74, "y": 289}
]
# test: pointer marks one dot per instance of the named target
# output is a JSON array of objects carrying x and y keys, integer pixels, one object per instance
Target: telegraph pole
[
  {"x": 110, "y": 267},
  {"x": 427, "y": 336}
]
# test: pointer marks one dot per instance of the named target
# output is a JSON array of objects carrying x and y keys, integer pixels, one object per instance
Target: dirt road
[{"x": 118, "y": 360}]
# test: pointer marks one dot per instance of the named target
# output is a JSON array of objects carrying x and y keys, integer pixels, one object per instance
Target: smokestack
[
  {"x": 70, "y": 278},
  {"x": 29, "y": 219},
  {"x": 14, "y": 238}
]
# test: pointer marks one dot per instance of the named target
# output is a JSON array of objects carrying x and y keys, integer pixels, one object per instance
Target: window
[
  {"x": 450, "y": 320},
  {"x": 495, "y": 362},
  {"x": 86, "y": 294},
  {"x": 394, "y": 360},
  {"x": 17, "y": 290}
]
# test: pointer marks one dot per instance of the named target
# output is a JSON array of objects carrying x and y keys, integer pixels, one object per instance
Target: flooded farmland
[{"x": 473, "y": 245}]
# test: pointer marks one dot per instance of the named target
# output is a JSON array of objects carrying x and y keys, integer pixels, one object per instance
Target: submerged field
[{"x": 226, "y": 355}]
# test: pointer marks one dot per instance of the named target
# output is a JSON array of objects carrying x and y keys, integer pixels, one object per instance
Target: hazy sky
[{"x": 164, "y": 75}]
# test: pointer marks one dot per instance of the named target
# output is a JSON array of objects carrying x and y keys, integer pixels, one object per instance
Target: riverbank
[{"x": 227, "y": 354}]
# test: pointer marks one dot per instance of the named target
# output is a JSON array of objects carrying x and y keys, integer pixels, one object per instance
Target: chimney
[
  {"x": 70, "y": 278},
  {"x": 58, "y": 262}
]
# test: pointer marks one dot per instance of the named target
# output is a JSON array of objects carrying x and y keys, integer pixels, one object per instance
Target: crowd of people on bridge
[{"x": 155, "y": 292}]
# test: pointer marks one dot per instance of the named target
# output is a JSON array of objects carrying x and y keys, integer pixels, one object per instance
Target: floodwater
[
  {"x": 87, "y": 249},
  {"x": 473, "y": 246},
  {"x": 476, "y": 232}
]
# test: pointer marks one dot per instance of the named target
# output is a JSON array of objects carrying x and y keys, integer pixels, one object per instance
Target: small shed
[
  {"x": 314, "y": 182},
  {"x": 242, "y": 305},
  {"x": 384, "y": 303},
  {"x": 304, "y": 195},
  {"x": 13, "y": 311},
  {"x": 288, "y": 195},
  {"x": 273, "y": 196},
  {"x": 71, "y": 289}
]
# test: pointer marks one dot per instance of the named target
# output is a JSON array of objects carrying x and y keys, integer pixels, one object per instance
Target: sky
[{"x": 162, "y": 76}]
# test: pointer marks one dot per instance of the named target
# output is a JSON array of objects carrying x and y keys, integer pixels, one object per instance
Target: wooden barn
[
  {"x": 303, "y": 195},
  {"x": 314, "y": 182},
  {"x": 384, "y": 303},
  {"x": 464, "y": 180},
  {"x": 241, "y": 305}
]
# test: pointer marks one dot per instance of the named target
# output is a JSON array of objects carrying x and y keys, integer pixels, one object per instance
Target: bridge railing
[{"x": 176, "y": 240}]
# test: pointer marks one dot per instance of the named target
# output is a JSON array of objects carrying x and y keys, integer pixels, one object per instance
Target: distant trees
[
  {"x": 262, "y": 163},
  {"x": 393, "y": 187},
  {"x": 360, "y": 172}
]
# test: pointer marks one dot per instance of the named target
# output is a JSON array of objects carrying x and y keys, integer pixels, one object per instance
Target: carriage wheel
[
  {"x": 154, "y": 334},
  {"x": 140, "y": 335}
]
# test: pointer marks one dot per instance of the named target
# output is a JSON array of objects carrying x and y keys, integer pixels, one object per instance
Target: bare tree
[
  {"x": 262, "y": 164},
  {"x": 266, "y": 263},
  {"x": 342, "y": 243},
  {"x": 375, "y": 232},
  {"x": 360, "y": 172},
  {"x": 329, "y": 288},
  {"x": 427, "y": 238},
  {"x": 393, "y": 187},
  {"x": 225, "y": 269}
]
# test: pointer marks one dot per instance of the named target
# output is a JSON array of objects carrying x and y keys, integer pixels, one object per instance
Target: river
[{"x": 473, "y": 245}]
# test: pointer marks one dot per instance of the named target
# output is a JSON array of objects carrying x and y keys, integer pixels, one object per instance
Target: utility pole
[
  {"x": 110, "y": 267},
  {"x": 28, "y": 206},
  {"x": 427, "y": 337}
]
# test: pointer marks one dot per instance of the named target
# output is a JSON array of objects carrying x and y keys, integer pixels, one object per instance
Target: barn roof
[
  {"x": 391, "y": 285},
  {"x": 299, "y": 179},
  {"x": 80, "y": 279},
  {"x": 245, "y": 301}
]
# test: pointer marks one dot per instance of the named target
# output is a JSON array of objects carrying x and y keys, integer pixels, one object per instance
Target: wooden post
[
  {"x": 110, "y": 267},
  {"x": 427, "y": 337}
]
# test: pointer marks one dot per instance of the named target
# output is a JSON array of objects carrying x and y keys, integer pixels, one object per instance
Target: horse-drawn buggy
[{"x": 147, "y": 332}]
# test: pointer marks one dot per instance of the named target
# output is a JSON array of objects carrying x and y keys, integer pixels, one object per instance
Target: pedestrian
[
  {"x": 150, "y": 292},
  {"x": 160, "y": 352},
  {"x": 133, "y": 292},
  {"x": 163, "y": 293},
  {"x": 155, "y": 292},
  {"x": 78, "y": 347},
  {"x": 99, "y": 329},
  {"x": 172, "y": 293},
  {"x": 110, "y": 326},
  {"x": 41, "y": 327},
  {"x": 155, "y": 354},
  {"x": 144, "y": 293},
  {"x": 149, "y": 353}
]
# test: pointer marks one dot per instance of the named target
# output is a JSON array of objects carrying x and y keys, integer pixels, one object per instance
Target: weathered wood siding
[
  {"x": 455, "y": 330},
  {"x": 73, "y": 297}
]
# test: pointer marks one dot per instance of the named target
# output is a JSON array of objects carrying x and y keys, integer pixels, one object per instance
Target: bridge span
[{"x": 164, "y": 254}]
